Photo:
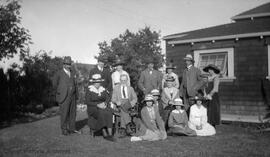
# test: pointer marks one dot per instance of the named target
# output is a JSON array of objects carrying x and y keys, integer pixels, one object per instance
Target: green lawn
[{"x": 43, "y": 138}]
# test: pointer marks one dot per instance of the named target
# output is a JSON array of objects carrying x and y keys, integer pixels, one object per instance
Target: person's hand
[
  {"x": 101, "y": 105},
  {"x": 208, "y": 97},
  {"x": 170, "y": 102},
  {"x": 199, "y": 127}
]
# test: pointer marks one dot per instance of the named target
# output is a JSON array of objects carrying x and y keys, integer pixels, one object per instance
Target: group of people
[{"x": 169, "y": 107}]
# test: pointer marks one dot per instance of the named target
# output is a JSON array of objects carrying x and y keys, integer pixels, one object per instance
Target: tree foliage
[
  {"x": 13, "y": 37},
  {"x": 135, "y": 49}
]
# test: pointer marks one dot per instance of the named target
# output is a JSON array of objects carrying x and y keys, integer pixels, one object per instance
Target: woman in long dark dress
[
  {"x": 99, "y": 114},
  {"x": 213, "y": 105}
]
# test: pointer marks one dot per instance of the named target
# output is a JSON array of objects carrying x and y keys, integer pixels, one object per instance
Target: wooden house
[{"x": 241, "y": 50}]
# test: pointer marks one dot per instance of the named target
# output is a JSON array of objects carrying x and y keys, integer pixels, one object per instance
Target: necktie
[{"x": 124, "y": 92}]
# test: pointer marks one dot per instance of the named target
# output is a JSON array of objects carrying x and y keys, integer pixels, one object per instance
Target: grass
[{"x": 43, "y": 138}]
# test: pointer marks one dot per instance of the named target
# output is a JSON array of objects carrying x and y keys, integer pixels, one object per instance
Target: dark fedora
[
  {"x": 119, "y": 62},
  {"x": 67, "y": 60},
  {"x": 170, "y": 66},
  {"x": 96, "y": 78},
  {"x": 213, "y": 67},
  {"x": 149, "y": 60}
]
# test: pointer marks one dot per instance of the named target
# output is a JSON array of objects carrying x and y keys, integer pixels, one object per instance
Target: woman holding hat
[
  {"x": 170, "y": 73},
  {"x": 213, "y": 105},
  {"x": 152, "y": 126},
  {"x": 198, "y": 119},
  {"x": 178, "y": 120},
  {"x": 118, "y": 72},
  {"x": 99, "y": 114}
]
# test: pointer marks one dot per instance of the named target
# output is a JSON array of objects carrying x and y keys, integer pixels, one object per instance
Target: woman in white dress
[{"x": 198, "y": 119}]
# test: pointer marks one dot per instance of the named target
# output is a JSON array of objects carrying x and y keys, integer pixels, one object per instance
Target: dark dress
[
  {"x": 213, "y": 106},
  {"x": 98, "y": 118}
]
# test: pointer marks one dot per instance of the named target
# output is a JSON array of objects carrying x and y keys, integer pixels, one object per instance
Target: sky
[{"x": 75, "y": 27}]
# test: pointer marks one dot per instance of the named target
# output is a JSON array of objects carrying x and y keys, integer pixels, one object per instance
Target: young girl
[
  {"x": 151, "y": 126},
  {"x": 178, "y": 120},
  {"x": 198, "y": 119}
]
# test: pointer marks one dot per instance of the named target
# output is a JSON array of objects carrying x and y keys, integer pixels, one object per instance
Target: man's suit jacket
[
  {"x": 105, "y": 74},
  {"x": 191, "y": 81},
  {"x": 148, "y": 82},
  {"x": 117, "y": 97},
  {"x": 65, "y": 86}
]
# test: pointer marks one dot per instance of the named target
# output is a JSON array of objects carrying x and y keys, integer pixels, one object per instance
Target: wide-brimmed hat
[
  {"x": 170, "y": 66},
  {"x": 67, "y": 60},
  {"x": 178, "y": 102},
  {"x": 96, "y": 78},
  {"x": 189, "y": 57},
  {"x": 148, "y": 97},
  {"x": 170, "y": 79},
  {"x": 119, "y": 62},
  {"x": 155, "y": 92},
  {"x": 213, "y": 67}
]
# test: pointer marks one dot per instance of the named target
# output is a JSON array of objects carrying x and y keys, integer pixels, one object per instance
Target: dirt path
[{"x": 43, "y": 138}]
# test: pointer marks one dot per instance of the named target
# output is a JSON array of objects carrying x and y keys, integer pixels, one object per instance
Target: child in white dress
[{"x": 198, "y": 119}]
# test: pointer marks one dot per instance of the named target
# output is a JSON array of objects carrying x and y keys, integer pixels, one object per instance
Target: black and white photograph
[{"x": 136, "y": 78}]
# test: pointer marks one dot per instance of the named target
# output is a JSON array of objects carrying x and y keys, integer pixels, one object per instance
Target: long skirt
[
  {"x": 154, "y": 135},
  {"x": 99, "y": 118},
  {"x": 213, "y": 110},
  {"x": 179, "y": 130},
  {"x": 207, "y": 129}
]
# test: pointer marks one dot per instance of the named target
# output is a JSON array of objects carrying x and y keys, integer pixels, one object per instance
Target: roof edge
[
  {"x": 250, "y": 16},
  {"x": 237, "y": 36}
]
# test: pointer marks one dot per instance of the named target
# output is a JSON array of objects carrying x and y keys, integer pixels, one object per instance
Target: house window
[
  {"x": 223, "y": 58},
  {"x": 268, "y": 49}
]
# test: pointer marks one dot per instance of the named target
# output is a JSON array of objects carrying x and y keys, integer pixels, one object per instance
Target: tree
[
  {"x": 135, "y": 49},
  {"x": 13, "y": 37}
]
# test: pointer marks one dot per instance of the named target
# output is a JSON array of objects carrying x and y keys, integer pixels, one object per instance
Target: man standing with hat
[
  {"x": 66, "y": 96},
  {"x": 104, "y": 72},
  {"x": 150, "y": 78},
  {"x": 191, "y": 81}
]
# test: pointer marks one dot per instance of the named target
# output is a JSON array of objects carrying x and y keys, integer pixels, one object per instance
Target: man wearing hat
[
  {"x": 191, "y": 81},
  {"x": 104, "y": 72},
  {"x": 150, "y": 78},
  {"x": 118, "y": 72},
  {"x": 169, "y": 73},
  {"x": 124, "y": 97},
  {"x": 66, "y": 95}
]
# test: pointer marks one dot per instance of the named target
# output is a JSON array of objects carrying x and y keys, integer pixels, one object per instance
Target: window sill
[{"x": 227, "y": 79}]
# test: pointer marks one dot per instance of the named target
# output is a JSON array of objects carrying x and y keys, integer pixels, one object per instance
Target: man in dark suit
[
  {"x": 150, "y": 78},
  {"x": 66, "y": 96},
  {"x": 191, "y": 81},
  {"x": 104, "y": 72}
]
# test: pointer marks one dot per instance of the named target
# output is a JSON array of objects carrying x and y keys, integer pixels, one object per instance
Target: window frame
[
  {"x": 230, "y": 53},
  {"x": 268, "y": 53}
]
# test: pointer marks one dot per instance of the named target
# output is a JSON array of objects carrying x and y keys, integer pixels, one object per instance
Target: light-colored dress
[
  {"x": 197, "y": 117},
  {"x": 151, "y": 126}
]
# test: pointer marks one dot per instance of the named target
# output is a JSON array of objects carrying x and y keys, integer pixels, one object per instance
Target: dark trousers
[{"x": 68, "y": 114}]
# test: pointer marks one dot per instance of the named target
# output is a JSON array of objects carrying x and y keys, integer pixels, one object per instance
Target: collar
[
  {"x": 188, "y": 67},
  {"x": 92, "y": 88},
  {"x": 99, "y": 68}
]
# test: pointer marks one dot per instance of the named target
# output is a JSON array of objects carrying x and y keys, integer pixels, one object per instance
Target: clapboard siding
[{"x": 243, "y": 95}]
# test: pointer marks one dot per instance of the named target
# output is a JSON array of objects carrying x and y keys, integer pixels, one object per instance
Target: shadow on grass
[{"x": 81, "y": 123}]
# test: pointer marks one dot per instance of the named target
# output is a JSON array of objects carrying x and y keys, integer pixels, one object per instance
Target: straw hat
[
  {"x": 213, "y": 67},
  {"x": 178, "y": 102},
  {"x": 189, "y": 57},
  {"x": 96, "y": 78},
  {"x": 155, "y": 92}
]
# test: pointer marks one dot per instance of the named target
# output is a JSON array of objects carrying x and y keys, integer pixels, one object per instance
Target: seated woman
[
  {"x": 178, "y": 120},
  {"x": 198, "y": 119},
  {"x": 99, "y": 114},
  {"x": 168, "y": 95},
  {"x": 151, "y": 125}
]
